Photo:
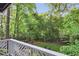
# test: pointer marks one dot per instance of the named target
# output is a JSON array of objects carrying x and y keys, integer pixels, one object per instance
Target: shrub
[{"x": 72, "y": 50}]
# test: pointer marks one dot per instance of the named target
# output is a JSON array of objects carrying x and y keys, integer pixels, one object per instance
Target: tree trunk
[
  {"x": 16, "y": 27},
  {"x": 1, "y": 28},
  {"x": 7, "y": 23}
]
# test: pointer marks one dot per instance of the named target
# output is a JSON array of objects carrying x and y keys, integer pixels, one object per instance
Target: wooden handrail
[{"x": 49, "y": 52}]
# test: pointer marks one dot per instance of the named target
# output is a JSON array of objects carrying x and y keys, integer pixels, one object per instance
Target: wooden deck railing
[{"x": 14, "y": 47}]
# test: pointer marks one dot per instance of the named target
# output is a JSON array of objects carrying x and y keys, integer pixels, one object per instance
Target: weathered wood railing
[
  {"x": 3, "y": 47},
  {"x": 13, "y": 47}
]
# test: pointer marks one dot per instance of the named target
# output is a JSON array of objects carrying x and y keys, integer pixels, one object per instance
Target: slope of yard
[{"x": 50, "y": 46}]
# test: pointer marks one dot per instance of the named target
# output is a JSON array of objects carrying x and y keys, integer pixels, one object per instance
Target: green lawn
[{"x": 51, "y": 46}]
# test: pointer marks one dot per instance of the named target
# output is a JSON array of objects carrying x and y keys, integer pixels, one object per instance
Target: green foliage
[
  {"x": 51, "y": 46},
  {"x": 72, "y": 50},
  {"x": 70, "y": 25},
  {"x": 20, "y": 14},
  {"x": 26, "y": 23},
  {"x": 70, "y": 22}
]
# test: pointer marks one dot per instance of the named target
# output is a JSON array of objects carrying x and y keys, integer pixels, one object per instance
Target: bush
[{"x": 72, "y": 50}]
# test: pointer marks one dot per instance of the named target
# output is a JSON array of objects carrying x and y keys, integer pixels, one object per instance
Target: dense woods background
[{"x": 60, "y": 25}]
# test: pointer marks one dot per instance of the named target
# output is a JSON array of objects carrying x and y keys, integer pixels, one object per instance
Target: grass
[{"x": 50, "y": 46}]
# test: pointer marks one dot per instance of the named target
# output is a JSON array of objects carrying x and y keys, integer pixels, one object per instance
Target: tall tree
[
  {"x": 7, "y": 22},
  {"x": 16, "y": 31},
  {"x": 23, "y": 11}
]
